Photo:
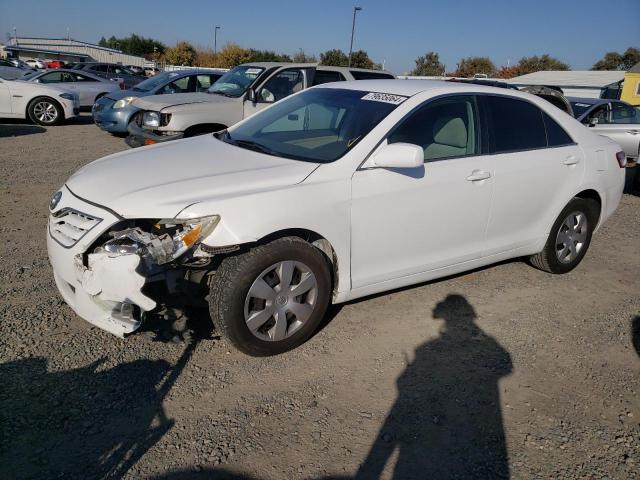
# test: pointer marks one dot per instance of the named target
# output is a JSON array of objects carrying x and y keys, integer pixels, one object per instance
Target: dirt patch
[{"x": 505, "y": 372}]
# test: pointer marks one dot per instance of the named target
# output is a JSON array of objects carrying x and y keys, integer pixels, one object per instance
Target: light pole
[
  {"x": 215, "y": 39},
  {"x": 353, "y": 28}
]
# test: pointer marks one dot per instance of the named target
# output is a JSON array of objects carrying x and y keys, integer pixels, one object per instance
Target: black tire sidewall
[
  {"x": 57, "y": 106},
  {"x": 577, "y": 204},
  {"x": 253, "y": 265}
]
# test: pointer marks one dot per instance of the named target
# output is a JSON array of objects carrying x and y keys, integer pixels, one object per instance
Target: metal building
[{"x": 68, "y": 50}]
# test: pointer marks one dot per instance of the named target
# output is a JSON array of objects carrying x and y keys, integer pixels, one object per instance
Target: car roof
[{"x": 408, "y": 88}]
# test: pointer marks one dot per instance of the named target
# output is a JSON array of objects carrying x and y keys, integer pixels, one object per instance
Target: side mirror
[
  {"x": 399, "y": 155},
  {"x": 593, "y": 122},
  {"x": 251, "y": 95}
]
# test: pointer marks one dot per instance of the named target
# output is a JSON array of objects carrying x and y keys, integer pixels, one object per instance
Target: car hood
[
  {"x": 158, "y": 102},
  {"x": 161, "y": 180},
  {"x": 118, "y": 94}
]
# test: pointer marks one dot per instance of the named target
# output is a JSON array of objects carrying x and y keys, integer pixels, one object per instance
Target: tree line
[{"x": 429, "y": 64}]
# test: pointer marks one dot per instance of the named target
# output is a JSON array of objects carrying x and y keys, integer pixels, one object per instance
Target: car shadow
[
  {"x": 88, "y": 422},
  {"x": 83, "y": 119},
  {"x": 19, "y": 130},
  {"x": 635, "y": 334},
  {"x": 446, "y": 421}
]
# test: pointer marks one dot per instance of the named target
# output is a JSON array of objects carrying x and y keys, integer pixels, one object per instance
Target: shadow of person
[
  {"x": 89, "y": 422},
  {"x": 446, "y": 421},
  {"x": 635, "y": 334}
]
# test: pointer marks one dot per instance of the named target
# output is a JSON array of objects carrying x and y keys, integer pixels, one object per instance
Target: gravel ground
[{"x": 504, "y": 372}]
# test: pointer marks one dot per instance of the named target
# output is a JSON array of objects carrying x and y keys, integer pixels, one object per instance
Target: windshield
[
  {"x": 318, "y": 125},
  {"x": 236, "y": 81},
  {"x": 156, "y": 81},
  {"x": 579, "y": 108}
]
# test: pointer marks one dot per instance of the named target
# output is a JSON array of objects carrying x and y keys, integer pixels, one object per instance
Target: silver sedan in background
[{"x": 88, "y": 86}]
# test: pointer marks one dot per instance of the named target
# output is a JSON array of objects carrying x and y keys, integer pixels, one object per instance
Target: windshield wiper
[{"x": 251, "y": 145}]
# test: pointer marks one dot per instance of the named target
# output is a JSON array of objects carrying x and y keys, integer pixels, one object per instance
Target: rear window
[
  {"x": 514, "y": 125},
  {"x": 556, "y": 135},
  {"x": 323, "y": 76},
  {"x": 358, "y": 75}
]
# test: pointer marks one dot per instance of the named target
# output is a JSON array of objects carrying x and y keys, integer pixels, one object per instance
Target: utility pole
[
  {"x": 215, "y": 40},
  {"x": 353, "y": 28},
  {"x": 15, "y": 36}
]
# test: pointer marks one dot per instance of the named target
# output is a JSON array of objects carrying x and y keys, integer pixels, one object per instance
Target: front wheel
[
  {"x": 45, "y": 111},
  {"x": 569, "y": 238},
  {"x": 272, "y": 298}
]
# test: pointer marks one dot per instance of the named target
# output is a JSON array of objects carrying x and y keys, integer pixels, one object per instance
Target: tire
[
  {"x": 233, "y": 302},
  {"x": 45, "y": 111},
  {"x": 558, "y": 256}
]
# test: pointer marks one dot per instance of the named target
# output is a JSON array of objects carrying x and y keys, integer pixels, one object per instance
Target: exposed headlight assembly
[
  {"x": 167, "y": 241},
  {"x": 123, "y": 102},
  {"x": 151, "y": 119}
]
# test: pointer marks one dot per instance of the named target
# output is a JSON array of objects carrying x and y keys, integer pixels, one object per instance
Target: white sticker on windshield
[
  {"x": 253, "y": 71},
  {"x": 384, "y": 97}
]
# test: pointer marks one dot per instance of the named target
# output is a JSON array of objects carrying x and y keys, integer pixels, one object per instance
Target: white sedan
[
  {"x": 89, "y": 87},
  {"x": 337, "y": 192},
  {"x": 42, "y": 104}
]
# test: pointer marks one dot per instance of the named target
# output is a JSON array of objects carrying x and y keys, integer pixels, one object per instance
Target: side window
[
  {"x": 623, "y": 114},
  {"x": 443, "y": 128},
  {"x": 314, "y": 117},
  {"x": 325, "y": 76},
  {"x": 180, "y": 85},
  {"x": 598, "y": 115},
  {"x": 100, "y": 68},
  {"x": 82, "y": 78},
  {"x": 282, "y": 85},
  {"x": 203, "y": 82},
  {"x": 514, "y": 125},
  {"x": 53, "y": 77},
  {"x": 358, "y": 75},
  {"x": 556, "y": 135}
]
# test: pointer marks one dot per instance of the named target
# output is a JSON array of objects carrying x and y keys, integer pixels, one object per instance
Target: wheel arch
[
  {"x": 38, "y": 97},
  {"x": 315, "y": 239},
  {"x": 591, "y": 194}
]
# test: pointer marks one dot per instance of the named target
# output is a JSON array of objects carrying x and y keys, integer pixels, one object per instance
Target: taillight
[{"x": 621, "y": 157}]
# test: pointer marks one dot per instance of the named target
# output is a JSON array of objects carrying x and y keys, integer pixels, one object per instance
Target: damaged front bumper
[
  {"x": 139, "y": 136},
  {"x": 104, "y": 289}
]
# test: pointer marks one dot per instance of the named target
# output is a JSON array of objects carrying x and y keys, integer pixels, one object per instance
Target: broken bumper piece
[{"x": 106, "y": 291}]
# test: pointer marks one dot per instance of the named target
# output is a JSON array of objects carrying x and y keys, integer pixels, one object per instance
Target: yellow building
[{"x": 631, "y": 87}]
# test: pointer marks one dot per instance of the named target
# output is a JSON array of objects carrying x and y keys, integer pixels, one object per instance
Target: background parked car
[
  {"x": 89, "y": 87},
  {"x": 35, "y": 63},
  {"x": 109, "y": 71},
  {"x": 55, "y": 64},
  {"x": 16, "y": 62},
  {"x": 135, "y": 69},
  {"x": 240, "y": 92},
  {"x": 43, "y": 104},
  {"x": 114, "y": 111},
  {"x": 617, "y": 120}
]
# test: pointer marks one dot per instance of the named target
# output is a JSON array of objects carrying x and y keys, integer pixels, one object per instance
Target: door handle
[
  {"x": 633, "y": 132},
  {"x": 478, "y": 175},
  {"x": 571, "y": 160}
]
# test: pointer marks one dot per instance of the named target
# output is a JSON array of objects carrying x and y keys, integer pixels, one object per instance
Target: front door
[
  {"x": 280, "y": 85},
  {"x": 5, "y": 98},
  {"x": 408, "y": 221},
  {"x": 621, "y": 124}
]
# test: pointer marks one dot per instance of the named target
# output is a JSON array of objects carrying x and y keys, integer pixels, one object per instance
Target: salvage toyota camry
[{"x": 337, "y": 192}]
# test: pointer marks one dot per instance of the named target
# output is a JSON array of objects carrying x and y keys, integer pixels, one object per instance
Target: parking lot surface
[{"x": 504, "y": 372}]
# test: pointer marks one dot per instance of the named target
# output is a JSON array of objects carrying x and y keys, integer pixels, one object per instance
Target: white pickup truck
[{"x": 239, "y": 93}]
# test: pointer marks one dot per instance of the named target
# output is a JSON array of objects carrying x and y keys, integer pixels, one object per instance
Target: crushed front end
[{"x": 113, "y": 271}]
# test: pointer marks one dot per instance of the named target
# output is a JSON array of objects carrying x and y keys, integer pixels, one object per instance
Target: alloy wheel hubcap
[
  {"x": 571, "y": 237},
  {"x": 280, "y": 300},
  {"x": 45, "y": 112}
]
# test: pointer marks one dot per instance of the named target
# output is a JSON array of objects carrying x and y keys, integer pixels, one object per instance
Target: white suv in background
[{"x": 239, "y": 93}]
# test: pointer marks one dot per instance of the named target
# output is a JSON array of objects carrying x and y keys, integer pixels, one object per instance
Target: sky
[{"x": 578, "y": 32}]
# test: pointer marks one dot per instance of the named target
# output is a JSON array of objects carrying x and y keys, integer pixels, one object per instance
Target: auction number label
[{"x": 384, "y": 97}]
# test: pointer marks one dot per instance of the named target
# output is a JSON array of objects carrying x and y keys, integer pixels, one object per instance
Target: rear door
[
  {"x": 536, "y": 167},
  {"x": 621, "y": 123}
]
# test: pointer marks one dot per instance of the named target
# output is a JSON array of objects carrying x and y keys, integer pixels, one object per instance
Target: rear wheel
[
  {"x": 569, "y": 238},
  {"x": 272, "y": 298},
  {"x": 45, "y": 111}
]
